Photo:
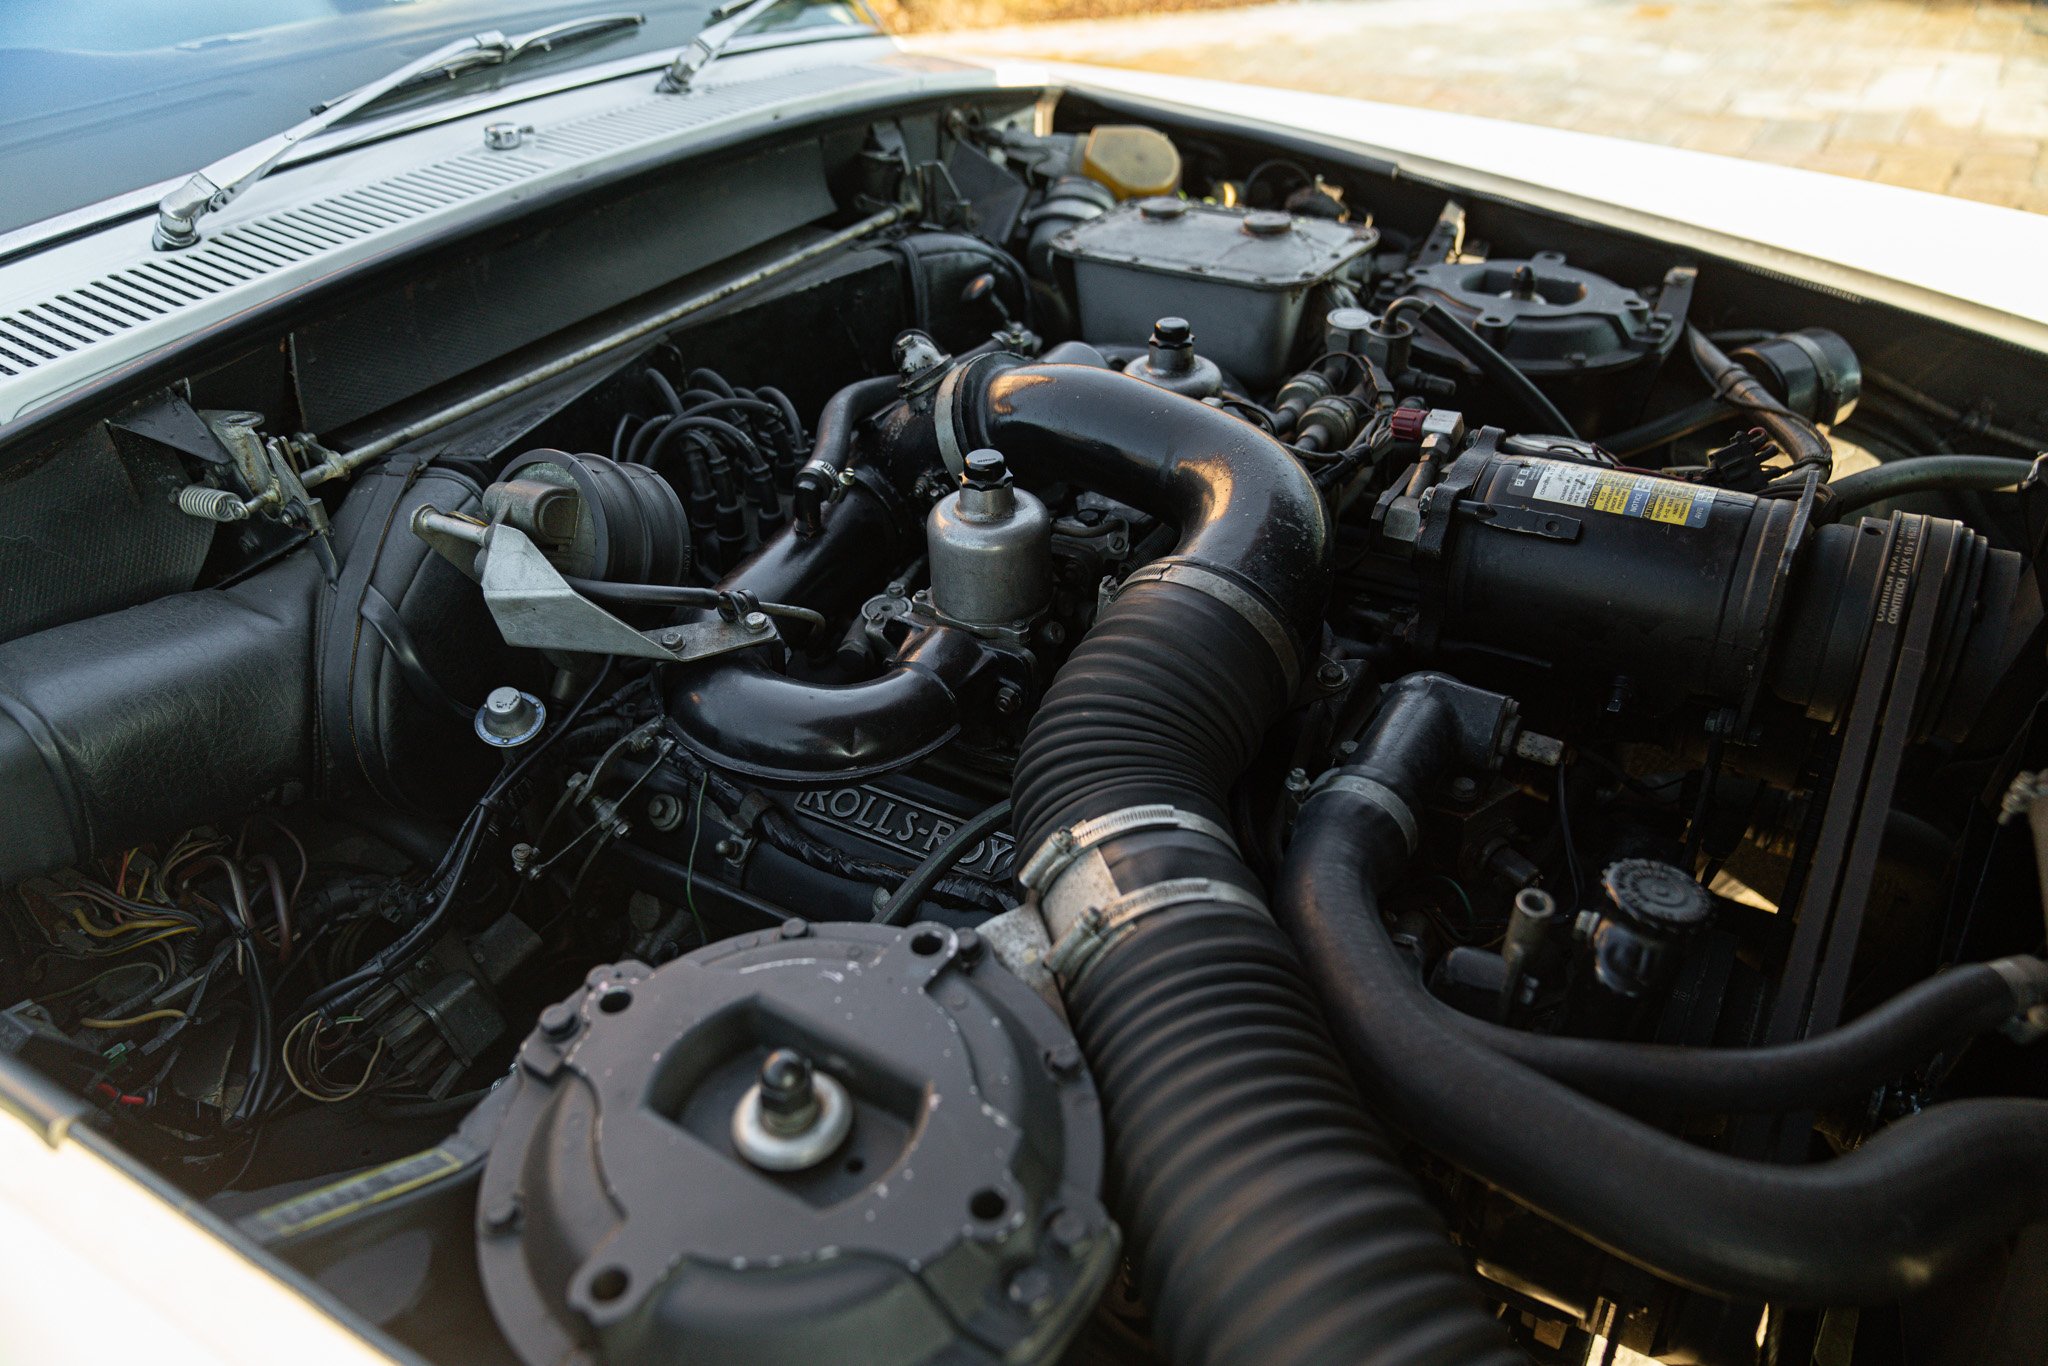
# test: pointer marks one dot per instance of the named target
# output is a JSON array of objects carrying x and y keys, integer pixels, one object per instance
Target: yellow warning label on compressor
[{"x": 1620, "y": 492}]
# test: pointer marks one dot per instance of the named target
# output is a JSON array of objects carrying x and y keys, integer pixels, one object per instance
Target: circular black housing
[
  {"x": 1547, "y": 317},
  {"x": 1591, "y": 345},
  {"x": 958, "y": 1220},
  {"x": 630, "y": 526}
]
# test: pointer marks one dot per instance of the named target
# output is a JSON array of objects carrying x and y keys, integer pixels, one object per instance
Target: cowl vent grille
[{"x": 62, "y": 326}]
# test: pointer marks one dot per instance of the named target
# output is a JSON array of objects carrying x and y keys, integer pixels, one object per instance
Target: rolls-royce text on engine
[{"x": 1145, "y": 745}]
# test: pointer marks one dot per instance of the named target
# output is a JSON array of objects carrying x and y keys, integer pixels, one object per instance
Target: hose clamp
[
  {"x": 1062, "y": 847},
  {"x": 1378, "y": 793},
  {"x": 1214, "y": 585},
  {"x": 2022, "y": 977},
  {"x": 1101, "y": 926},
  {"x": 946, "y": 422}
]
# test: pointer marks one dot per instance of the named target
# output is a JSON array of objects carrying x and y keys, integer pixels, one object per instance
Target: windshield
[{"x": 100, "y": 97}]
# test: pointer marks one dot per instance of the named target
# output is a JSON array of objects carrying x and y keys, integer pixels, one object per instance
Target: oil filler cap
[{"x": 837, "y": 1142}]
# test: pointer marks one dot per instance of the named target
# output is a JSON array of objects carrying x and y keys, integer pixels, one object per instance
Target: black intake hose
[
  {"x": 1271, "y": 1221},
  {"x": 1884, "y": 1220}
]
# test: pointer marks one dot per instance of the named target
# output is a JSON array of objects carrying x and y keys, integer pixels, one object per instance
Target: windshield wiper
[
  {"x": 215, "y": 186},
  {"x": 723, "y": 24}
]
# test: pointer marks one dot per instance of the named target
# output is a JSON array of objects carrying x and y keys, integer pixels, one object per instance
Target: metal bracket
[
  {"x": 535, "y": 607},
  {"x": 1527, "y": 521}
]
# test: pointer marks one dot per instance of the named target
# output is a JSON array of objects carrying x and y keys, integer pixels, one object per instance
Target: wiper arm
[
  {"x": 724, "y": 23},
  {"x": 217, "y": 185}
]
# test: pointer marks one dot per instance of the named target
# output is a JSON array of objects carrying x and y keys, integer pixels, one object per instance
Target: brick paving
[{"x": 1949, "y": 96}]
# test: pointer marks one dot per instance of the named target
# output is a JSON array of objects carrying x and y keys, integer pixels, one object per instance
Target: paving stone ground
[{"x": 1949, "y": 96}]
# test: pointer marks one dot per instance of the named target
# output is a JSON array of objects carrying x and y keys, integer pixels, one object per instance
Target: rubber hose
[
  {"x": 1272, "y": 1223},
  {"x": 1924, "y": 474},
  {"x": 1488, "y": 361},
  {"x": 913, "y": 889},
  {"x": 1660, "y": 430},
  {"x": 1269, "y": 1219},
  {"x": 1914, "y": 1025},
  {"x": 1800, "y": 439},
  {"x": 1887, "y": 1219},
  {"x": 832, "y": 447}
]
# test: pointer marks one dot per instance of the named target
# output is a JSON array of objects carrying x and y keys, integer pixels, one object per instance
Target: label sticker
[{"x": 1616, "y": 491}]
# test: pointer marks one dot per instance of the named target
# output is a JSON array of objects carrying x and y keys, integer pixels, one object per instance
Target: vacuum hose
[{"x": 1886, "y": 1219}]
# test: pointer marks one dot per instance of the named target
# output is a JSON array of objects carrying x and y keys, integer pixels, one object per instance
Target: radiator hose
[
  {"x": 1886, "y": 1219},
  {"x": 1270, "y": 1219}
]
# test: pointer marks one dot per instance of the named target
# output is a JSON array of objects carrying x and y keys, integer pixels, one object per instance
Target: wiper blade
[
  {"x": 723, "y": 24},
  {"x": 469, "y": 58},
  {"x": 217, "y": 185}
]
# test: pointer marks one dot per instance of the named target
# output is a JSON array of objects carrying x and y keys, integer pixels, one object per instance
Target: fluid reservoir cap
[
  {"x": 986, "y": 469},
  {"x": 1173, "y": 333},
  {"x": 509, "y": 717},
  {"x": 1656, "y": 895},
  {"x": 1347, "y": 324},
  {"x": 1131, "y": 160},
  {"x": 1268, "y": 223},
  {"x": 1164, "y": 209}
]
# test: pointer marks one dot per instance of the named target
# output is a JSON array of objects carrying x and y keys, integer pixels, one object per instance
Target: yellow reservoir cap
[{"x": 1132, "y": 160}]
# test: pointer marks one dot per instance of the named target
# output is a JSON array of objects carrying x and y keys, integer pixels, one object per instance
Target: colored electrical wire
[{"x": 144, "y": 1018}]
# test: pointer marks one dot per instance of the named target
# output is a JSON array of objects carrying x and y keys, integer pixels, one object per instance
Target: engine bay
[{"x": 1186, "y": 752}]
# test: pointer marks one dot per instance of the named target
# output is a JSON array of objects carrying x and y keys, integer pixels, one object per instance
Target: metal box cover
[
  {"x": 1241, "y": 278},
  {"x": 1257, "y": 249}
]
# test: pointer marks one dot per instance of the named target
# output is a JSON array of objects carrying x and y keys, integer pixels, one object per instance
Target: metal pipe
[{"x": 347, "y": 463}]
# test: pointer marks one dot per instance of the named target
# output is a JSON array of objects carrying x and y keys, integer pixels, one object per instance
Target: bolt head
[
  {"x": 1032, "y": 1291},
  {"x": 1009, "y": 698},
  {"x": 1069, "y": 1232},
  {"x": 1064, "y": 1058},
  {"x": 789, "y": 1097},
  {"x": 502, "y": 1217},
  {"x": 664, "y": 811},
  {"x": 757, "y": 622},
  {"x": 1464, "y": 789}
]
